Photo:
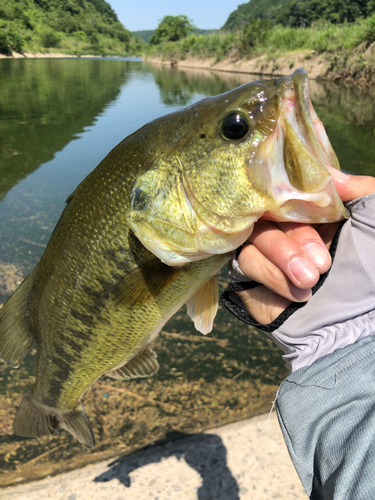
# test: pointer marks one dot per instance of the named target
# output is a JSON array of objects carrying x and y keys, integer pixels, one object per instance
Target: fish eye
[{"x": 235, "y": 126}]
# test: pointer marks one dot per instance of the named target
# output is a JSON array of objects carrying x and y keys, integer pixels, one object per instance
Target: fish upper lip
[{"x": 297, "y": 109}]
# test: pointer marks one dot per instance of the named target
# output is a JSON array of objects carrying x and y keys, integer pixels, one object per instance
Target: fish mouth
[{"x": 294, "y": 166}]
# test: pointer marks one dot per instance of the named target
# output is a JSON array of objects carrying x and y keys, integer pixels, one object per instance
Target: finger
[
  {"x": 285, "y": 253},
  {"x": 350, "y": 187},
  {"x": 310, "y": 242},
  {"x": 327, "y": 232},
  {"x": 262, "y": 304},
  {"x": 259, "y": 268}
]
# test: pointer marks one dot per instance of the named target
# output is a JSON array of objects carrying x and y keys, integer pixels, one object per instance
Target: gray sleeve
[
  {"x": 327, "y": 415},
  {"x": 326, "y": 407},
  {"x": 342, "y": 311}
]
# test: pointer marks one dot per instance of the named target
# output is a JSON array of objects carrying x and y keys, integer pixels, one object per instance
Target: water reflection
[
  {"x": 178, "y": 88},
  {"x": 348, "y": 114},
  {"x": 203, "y": 381},
  {"x": 44, "y": 105}
]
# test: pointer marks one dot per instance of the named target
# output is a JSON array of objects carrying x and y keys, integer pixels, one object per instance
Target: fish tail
[
  {"x": 16, "y": 338},
  {"x": 36, "y": 420},
  {"x": 33, "y": 419},
  {"x": 78, "y": 424}
]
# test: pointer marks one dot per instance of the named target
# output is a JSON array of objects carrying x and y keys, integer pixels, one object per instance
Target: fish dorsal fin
[
  {"x": 203, "y": 305},
  {"x": 144, "y": 364},
  {"x": 143, "y": 285}
]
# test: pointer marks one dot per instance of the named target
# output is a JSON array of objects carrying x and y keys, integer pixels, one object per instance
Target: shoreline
[
  {"x": 315, "y": 65},
  {"x": 323, "y": 66},
  {"x": 58, "y": 55}
]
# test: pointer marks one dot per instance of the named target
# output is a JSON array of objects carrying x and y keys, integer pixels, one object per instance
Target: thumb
[{"x": 350, "y": 187}]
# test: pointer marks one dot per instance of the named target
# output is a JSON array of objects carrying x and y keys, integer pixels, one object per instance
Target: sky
[{"x": 146, "y": 14}]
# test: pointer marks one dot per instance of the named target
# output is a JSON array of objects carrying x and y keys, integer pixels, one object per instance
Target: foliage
[
  {"x": 299, "y": 13},
  {"x": 255, "y": 32},
  {"x": 49, "y": 38},
  {"x": 144, "y": 34},
  {"x": 10, "y": 41},
  {"x": 172, "y": 29},
  {"x": 260, "y": 37},
  {"x": 75, "y": 26},
  {"x": 255, "y": 9},
  {"x": 305, "y": 12},
  {"x": 369, "y": 26}
]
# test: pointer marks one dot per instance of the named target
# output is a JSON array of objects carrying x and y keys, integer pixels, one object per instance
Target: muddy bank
[
  {"x": 356, "y": 66},
  {"x": 47, "y": 55}
]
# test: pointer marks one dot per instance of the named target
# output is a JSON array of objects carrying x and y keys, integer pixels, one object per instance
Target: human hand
[{"x": 288, "y": 258}]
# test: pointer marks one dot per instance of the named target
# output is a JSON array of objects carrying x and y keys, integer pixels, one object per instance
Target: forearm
[{"x": 326, "y": 406}]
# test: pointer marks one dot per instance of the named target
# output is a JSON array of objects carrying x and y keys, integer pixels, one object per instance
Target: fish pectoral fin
[
  {"x": 35, "y": 420},
  {"x": 16, "y": 338},
  {"x": 143, "y": 364},
  {"x": 203, "y": 305},
  {"x": 143, "y": 285}
]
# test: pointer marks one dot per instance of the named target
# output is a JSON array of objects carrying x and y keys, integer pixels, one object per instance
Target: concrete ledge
[{"x": 239, "y": 461}]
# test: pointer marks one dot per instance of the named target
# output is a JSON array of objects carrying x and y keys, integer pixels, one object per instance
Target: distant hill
[
  {"x": 299, "y": 13},
  {"x": 144, "y": 34},
  {"x": 255, "y": 9},
  {"x": 147, "y": 34},
  {"x": 75, "y": 25}
]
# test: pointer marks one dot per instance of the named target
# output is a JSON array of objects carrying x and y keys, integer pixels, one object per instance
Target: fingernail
[
  {"x": 302, "y": 269},
  {"x": 300, "y": 294},
  {"x": 318, "y": 255}
]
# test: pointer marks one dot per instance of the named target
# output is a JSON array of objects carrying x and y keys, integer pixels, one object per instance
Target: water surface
[{"x": 58, "y": 119}]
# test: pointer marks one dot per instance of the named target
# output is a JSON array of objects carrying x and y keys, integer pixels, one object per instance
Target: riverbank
[
  {"x": 356, "y": 67},
  {"x": 56, "y": 55},
  {"x": 316, "y": 66},
  {"x": 247, "y": 460}
]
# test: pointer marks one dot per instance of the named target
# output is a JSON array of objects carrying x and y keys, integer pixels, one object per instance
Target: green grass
[{"x": 256, "y": 39}]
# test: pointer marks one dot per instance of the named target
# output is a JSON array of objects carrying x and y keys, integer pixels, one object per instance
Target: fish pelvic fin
[
  {"x": 203, "y": 305},
  {"x": 16, "y": 337},
  {"x": 36, "y": 420},
  {"x": 143, "y": 364}
]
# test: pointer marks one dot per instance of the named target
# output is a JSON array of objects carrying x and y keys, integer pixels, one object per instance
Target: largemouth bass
[{"x": 149, "y": 230}]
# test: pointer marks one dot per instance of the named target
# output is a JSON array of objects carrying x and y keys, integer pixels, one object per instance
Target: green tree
[
  {"x": 297, "y": 13},
  {"x": 10, "y": 40},
  {"x": 172, "y": 29},
  {"x": 305, "y": 12},
  {"x": 253, "y": 33},
  {"x": 49, "y": 38}
]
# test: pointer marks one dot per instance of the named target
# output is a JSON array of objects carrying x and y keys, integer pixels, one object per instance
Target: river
[{"x": 58, "y": 119}]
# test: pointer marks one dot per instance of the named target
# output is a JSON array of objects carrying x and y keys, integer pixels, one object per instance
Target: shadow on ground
[{"x": 205, "y": 453}]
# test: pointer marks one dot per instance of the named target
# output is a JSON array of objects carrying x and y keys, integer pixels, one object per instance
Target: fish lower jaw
[
  {"x": 206, "y": 244},
  {"x": 305, "y": 212}
]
